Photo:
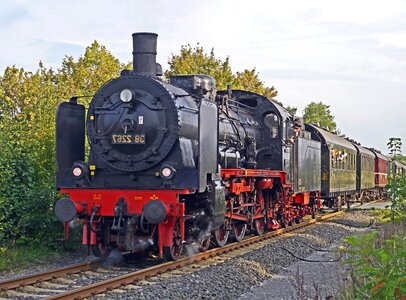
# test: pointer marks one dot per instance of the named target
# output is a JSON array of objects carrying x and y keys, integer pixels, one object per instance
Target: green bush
[
  {"x": 378, "y": 262},
  {"x": 396, "y": 190},
  {"x": 28, "y": 103}
]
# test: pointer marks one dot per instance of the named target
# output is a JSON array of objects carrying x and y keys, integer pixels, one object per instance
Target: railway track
[
  {"x": 9, "y": 285},
  {"x": 59, "y": 291},
  {"x": 56, "y": 281}
]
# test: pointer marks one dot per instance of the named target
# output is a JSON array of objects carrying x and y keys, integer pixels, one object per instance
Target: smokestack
[{"x": 144, "y": 53}]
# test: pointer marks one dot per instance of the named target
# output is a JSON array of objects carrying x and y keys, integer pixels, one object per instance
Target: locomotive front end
[
  {"x": 118, "y": 192},
  {"x": 131, "y": 124}
]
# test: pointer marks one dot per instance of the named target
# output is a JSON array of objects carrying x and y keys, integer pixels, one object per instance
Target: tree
[
  {"x": 394, "y": 146},
  {"x": 401, "y": 158},
  {"x": 197, "y": 61},
  {"x": 396, "y": 187},
  {"x": 28, "y": 102},
  {"x": 27, "y": 153},
  {"x": 248, "y": 80},
  {"x": 291, "y": 109},
  {"x": 89, "y": 72},
  {"x": 320, "y": 114}
]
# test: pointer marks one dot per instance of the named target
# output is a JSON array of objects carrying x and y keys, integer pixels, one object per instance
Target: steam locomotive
[{"x": 179, "y": 163}]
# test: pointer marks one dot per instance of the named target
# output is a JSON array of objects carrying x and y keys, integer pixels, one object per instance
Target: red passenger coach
[{"x": 381, "y": 170}]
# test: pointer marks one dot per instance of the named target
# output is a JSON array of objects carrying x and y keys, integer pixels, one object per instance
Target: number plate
[{"x": 128, "y": 139}]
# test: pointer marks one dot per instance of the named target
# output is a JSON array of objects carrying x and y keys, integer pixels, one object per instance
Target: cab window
[{"x": 272, "y": 121}]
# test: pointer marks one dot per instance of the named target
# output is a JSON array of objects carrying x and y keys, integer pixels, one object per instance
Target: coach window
[
  {"x": 333, "y": 158},
  {"x": 349, "y": 166},
  {"x": 272, "y": 121},
  {"x": 346, "y": 166},
  {"x": 351, "y": 162}
]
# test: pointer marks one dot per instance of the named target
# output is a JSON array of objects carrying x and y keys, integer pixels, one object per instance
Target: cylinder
[{"x": 144, "y": 53}]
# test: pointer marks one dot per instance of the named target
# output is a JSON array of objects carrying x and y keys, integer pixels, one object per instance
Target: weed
[{"x": 378, "y": 263}]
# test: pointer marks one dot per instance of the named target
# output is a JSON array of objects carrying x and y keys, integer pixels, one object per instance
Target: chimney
[{"x": 144, "y": 53}]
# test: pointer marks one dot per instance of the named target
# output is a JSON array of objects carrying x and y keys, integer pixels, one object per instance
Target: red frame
[
  {"x": 105, "y": 200},
  {"x": 238, "y": 181},
  {"x": 244, "y": 184}
]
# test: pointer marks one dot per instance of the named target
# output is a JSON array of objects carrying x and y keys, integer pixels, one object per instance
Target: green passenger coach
[{"x": 338, "y": 166}]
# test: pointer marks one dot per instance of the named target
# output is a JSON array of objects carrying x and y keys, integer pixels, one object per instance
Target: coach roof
[
  {"x": 331, "y": 138},
  {"x": 364, "y": 150}
]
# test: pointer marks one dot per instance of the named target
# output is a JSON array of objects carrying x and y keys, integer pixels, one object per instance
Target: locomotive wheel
[
  {"x": 174, "y": 252},
  {"x": 102, "y": 248},
  {"x": 259, "y": 226},
  {"x": 238, "y": 231},
  {"x": 99, "y": 250},
  {"x": 220, "y": 236},
  {"x": 205, "y": 243},
  {"x": 284, "y": 223}
]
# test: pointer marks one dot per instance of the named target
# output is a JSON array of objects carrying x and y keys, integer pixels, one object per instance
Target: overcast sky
[{"x": 350, "y": 55}]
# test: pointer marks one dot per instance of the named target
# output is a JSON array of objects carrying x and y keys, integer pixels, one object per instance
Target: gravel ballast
[{"x": 269, "y": 272}]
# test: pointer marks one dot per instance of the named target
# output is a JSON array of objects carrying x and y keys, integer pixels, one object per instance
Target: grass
[
  {"x": 377, "y": 262},
  {"x": 19, "y": 257},
  {"x": 33, "y": 253}
]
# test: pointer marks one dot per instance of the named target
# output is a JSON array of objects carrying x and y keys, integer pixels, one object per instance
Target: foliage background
[
  {"x": 28, "y": 102},
  {"x": 320, "y": 114},
  {"x": 196, "y": 61}
]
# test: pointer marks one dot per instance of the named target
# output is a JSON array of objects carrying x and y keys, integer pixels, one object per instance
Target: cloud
[
  {"x": 349, "y": 54},
  {"x": 10, "y": 15}
]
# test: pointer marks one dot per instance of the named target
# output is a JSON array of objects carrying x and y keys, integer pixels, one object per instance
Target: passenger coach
[
  {"x": 365, "y": 173},
  {"x": 381, "y": 171},
  {"x": 338, "y": 166}
]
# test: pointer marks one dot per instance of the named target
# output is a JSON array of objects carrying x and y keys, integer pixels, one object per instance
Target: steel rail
[
  {"x": 13, "y": 283},
  {"x": 120, "y": 281}
]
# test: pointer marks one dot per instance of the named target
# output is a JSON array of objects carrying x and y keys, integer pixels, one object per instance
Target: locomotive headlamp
[
  {"x": 79, "y": 170},
  {"x": 126, "y": 95},
  {"x": 167, "y": 172}
]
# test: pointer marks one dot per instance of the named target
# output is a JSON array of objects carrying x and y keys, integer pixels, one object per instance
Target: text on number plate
[{"x": 138, "y": 138}]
